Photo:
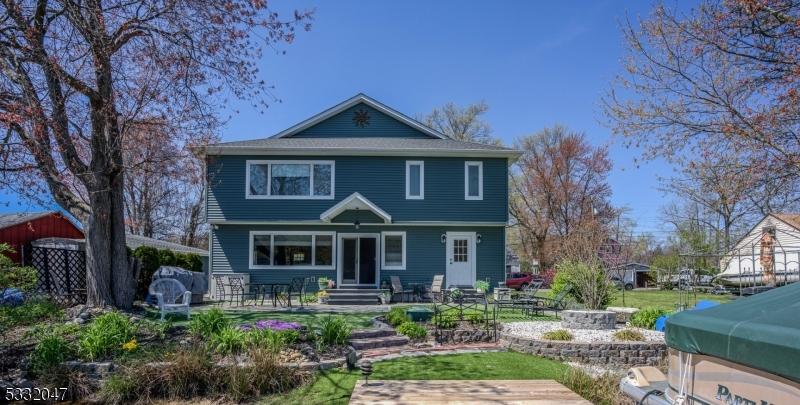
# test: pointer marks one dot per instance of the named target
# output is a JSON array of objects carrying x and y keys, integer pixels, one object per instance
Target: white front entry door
[{"x": 460, "y": 259}]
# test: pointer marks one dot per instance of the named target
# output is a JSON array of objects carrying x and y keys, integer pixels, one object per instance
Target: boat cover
[{"x": 761, "y": 331}]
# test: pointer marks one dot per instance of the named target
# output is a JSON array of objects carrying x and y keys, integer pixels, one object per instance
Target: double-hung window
[
  {"x": 473, "y": 180},
  {"x": 415, "y": 180},
  {"x": 290, "y": 179},
  {"x": 278, "y": 249},
  {"x": 393, "y": 251}
]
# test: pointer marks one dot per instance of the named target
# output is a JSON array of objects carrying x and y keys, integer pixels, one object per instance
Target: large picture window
[
  {"x": 276, "y": 249},
  {"x": 393, "y": 251},
  {"x": 290, "y": 179}
]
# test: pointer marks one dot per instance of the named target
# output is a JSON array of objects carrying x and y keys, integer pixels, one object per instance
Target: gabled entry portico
[{"x": 358, "y": 252}]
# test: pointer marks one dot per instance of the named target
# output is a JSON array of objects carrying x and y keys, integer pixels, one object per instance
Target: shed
[{"x": 18, "y": 230}]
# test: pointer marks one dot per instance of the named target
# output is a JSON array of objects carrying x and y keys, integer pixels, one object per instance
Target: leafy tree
[{"x": 77, "y": 74}]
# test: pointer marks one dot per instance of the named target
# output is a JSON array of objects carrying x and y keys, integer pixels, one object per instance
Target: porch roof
[{"x": 355, "y": 201}]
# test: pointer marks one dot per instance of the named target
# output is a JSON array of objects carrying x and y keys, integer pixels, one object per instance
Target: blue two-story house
[{"x": 358, "y": 193}]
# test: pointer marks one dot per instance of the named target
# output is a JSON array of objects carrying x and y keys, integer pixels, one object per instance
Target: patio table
[
  {"x": 419, "y": 290},
  {"x": 272, "y": 288}
]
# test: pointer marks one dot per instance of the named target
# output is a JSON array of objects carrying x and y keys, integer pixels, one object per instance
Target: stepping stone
[{"x": 378, "y": 342}]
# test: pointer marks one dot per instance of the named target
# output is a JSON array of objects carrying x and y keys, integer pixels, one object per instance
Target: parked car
[
  {"x": 619, "y": 284},
  {"x": 520, "y": 281}
]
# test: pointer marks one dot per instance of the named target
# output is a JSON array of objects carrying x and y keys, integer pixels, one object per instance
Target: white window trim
[
  {"x": 311, "y": 164},
  {"x": 421, "y": 165},
  {"x": 312, "y": 266},
  {"x": 467, "y": 164},
  {"x": 383, "y": 250}
]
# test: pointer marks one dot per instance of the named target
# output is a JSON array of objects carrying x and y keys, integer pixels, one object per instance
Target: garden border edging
[{"x": 615, "y": 353}]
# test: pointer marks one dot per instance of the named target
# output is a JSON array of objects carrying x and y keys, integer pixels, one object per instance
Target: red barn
[{"x": 18, "y": 230}]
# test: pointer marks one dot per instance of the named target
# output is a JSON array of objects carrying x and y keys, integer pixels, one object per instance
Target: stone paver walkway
[{"x": 533, "y": 392}]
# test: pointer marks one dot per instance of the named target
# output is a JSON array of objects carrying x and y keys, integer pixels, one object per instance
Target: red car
[{"x": 519, "y": 281}]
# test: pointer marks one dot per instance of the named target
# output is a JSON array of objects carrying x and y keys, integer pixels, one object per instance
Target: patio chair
[
  {"x": 219, "y": 288},
  {"x": 297, "y": 288},
  {"x": 436, "y": 288},
  {"x": 171, "y": 296},
  {"x": 555, "y": 304},
  {"x": 238, "y": 290},
  {"x": 397, "y": 288}
]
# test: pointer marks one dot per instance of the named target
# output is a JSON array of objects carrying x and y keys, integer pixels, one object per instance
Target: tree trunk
[{"x": 109, "y": 281}]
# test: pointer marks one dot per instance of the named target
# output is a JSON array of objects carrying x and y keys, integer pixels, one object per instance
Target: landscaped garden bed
[{"x": 116, "y": 357}]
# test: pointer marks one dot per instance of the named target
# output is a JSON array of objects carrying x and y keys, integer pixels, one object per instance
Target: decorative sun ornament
[{"x": 361, "y": 118}]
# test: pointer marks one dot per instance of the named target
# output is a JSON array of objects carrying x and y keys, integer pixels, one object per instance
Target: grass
[
  {"x": 664, "y": 299},
  {"x": 335, "y": 387},
  {"x": 236, "y": 317}
]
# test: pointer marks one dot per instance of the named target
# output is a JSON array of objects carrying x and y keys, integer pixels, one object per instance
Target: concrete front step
[
  {"x": 372, "y": 333},
  {"x": 378, "y": 342}
]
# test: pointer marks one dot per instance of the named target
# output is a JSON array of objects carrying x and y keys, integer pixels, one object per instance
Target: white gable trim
[
  {"x": 354, "y": 201},
  {"x": 358, "y": 98}
]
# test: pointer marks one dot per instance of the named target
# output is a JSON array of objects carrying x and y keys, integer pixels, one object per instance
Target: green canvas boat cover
[{"x": 761, "y": 331}]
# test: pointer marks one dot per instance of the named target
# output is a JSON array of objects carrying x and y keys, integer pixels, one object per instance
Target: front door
[
  {"x": 358, "y": 259},
  {"x": 460, "y": 259}
]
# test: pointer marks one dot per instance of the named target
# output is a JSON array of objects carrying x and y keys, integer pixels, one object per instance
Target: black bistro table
[{"x": 273, "y": 289}]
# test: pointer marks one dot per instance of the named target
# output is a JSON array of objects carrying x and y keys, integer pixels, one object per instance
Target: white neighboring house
[{"x": 743, "y": 264}]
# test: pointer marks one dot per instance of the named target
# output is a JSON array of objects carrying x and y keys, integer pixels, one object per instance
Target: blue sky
[{"x": 535, "y": 63}]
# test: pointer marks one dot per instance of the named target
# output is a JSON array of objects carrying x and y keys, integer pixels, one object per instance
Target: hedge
[{"x": 151, "y": 259}]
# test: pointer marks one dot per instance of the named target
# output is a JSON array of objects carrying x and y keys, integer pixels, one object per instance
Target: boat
[{"x": 743, "y": 352}]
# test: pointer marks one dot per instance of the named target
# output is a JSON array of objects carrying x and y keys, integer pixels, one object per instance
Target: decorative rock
[{"x": 585, "y": 319}]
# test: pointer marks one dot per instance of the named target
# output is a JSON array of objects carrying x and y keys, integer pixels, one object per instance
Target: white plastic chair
[{"x": 169, "y": 292}]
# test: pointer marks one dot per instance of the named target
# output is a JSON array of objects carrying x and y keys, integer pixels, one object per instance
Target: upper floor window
[
  {"x": 473, "y": 180},
  {"x": 415, "y": 180},
  {"x": 291, "y": 179}
]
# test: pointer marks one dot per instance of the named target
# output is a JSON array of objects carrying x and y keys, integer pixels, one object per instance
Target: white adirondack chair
[{"x": 172, "y": 296}]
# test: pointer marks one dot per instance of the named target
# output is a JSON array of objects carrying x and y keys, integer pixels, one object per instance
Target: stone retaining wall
[
  {"x": 615, "y": 353},
  {"x": 580, "y": 319}
]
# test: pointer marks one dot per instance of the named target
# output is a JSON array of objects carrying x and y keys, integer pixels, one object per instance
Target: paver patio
[{"x": 539, "y": 392}]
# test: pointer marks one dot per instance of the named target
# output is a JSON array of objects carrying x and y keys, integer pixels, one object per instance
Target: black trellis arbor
[{"x": 61, "y": 273}]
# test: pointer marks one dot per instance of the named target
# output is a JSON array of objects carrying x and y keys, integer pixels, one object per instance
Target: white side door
[{"x": 460, "y": 259}]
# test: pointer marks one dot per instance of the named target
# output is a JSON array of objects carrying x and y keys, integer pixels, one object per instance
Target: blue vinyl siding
[
  {"x": 425, "y": 254},
  {"x": 342, "y": 126},
  {"x": 381, "y": 179}
]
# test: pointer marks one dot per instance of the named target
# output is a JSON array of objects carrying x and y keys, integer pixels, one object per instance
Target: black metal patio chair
[
  {"x": 297, "y": 288},
  {"x": 555, "y": 304}
]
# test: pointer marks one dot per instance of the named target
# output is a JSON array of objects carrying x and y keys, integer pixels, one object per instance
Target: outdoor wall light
[
  {"x": 444, "y": 238},
  {"x": 478, "y": 238}
]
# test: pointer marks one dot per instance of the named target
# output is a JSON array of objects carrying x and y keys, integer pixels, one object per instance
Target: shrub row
[{"x": 151, "y": 259}]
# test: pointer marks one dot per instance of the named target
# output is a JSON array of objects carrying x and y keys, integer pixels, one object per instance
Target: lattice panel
[{"x": 62, "y": 274}]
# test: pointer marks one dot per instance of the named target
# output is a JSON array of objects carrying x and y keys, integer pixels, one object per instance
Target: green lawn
[
  {"x": 356, "y": 320},
  {"x": 663, "y": 299},
  {"x": 334, "y": 387}
]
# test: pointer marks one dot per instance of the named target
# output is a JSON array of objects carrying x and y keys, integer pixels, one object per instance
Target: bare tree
[
  {"x": 462, "y": 124},
  {"x": 723, "y": 76},
  {"x": 75, "y": 74}
]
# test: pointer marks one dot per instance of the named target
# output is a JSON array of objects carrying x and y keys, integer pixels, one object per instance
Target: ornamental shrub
[
  {"x": 397, "y": 316},
  {"x": 229, "y": 340},
  {"x": 105, "y": 335},
  {"x": 207, "y": 324},
  {"x": 646, "y": 317},
  {"x": 629, "y": 335},
  {"x": 558, "y": 334},
  {"x": 51, "y": 350},
  {"x": 167, "y": 258},
  {"x": 13, "y": 275},
  {"x": 334, "y": 330},
  {"x": 412, "y": 330}
]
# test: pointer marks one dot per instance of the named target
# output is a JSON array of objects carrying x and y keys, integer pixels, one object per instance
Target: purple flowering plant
[{"x": 272, "y": 324}]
